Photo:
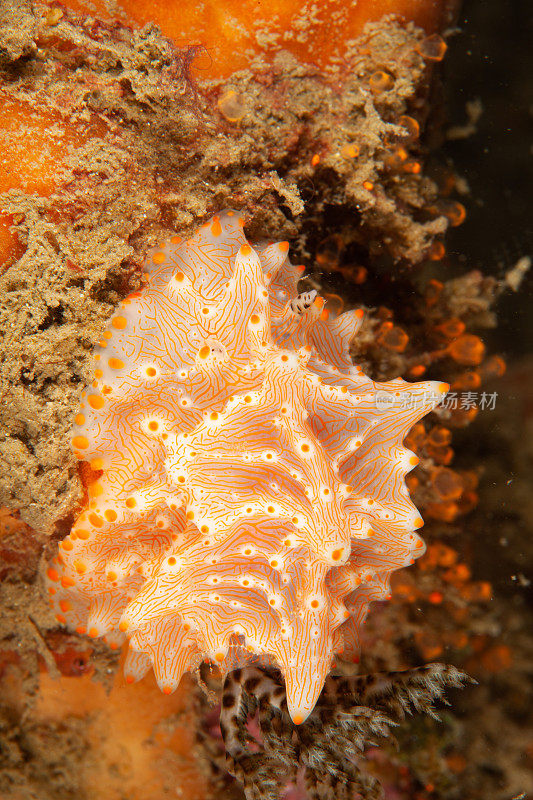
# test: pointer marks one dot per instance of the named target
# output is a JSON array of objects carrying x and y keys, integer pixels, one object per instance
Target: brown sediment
[{"x": 117, "y": 147}]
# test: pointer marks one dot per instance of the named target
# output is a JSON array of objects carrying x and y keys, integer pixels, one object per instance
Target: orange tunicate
[
  {"x": 437, "y": 555},
  {"x": 329, "y": 251},
  {"x": 417, "y": 371},
  {"x": 380, "y": 81},
  {"x": 451, "y": 328},
  {"x": 350, "y": 151},
  {"x": 461, "y": 417},
  {"x": 384, "y": 313},
  {"x": 476, "y": 592},
  {"x": 441, "y": 455},
  {"x": 484, "y": 590},
  {"x": 432, "y": 48},
  {"x": 397, "y": 159},
  {"x": 436, "y": 252},
  {"x": 231, "y": 106},
  {"x": 416, "y": 437},
  {"x": 447, "y": 182},
  {"x": 335, "y": 303},
  {"x": 444, "y": 512},
  {"x": 470, "y": 480},
  {"x": 467, "y": 349},
  {"x": 411, "y": 126},
  {"x": 456, "y": 213},
  {"x": 479, "y": 642},
  {"x": 459, "y": 573},
  {"x": 433, "y": 292},
  {"x": 439, "y": 435},
  {"x": 457, "y": 639},
  {"x": 493, "y": 367},
  {"x": 405, "y": 591},
  {"x": 359, "y": 274},
  {"x": 460, "y": 614},
  {"x": 412, "y": 167},
  {"x": 468, "y": 381},
  {"x": 447, "y": 483},
  {"x": 468, "y": 502},
  {"x": 429, "y": 643},
  {"x": 412, "y": 483},
  {"x": 231, "y": 34},
  {"x": 428, "y": 562},
  {"x": 392, "y": 337},
  {"x": 53, "y": 16},
  {"x": 445, "y": 556},
  {"x": 497, "y": 658}
]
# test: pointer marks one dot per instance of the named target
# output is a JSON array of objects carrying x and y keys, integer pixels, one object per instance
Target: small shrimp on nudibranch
[{"x": 252, "y": 502}]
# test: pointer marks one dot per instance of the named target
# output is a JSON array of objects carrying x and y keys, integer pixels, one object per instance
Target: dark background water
[{"x": 491, "y": 58}]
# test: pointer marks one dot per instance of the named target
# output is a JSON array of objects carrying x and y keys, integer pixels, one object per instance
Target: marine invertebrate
[
  {"x": 352, "y": 712},
  {"x": 253, "y": 499}
]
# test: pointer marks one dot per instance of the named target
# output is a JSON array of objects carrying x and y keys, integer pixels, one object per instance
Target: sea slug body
[{"x": 252, "y": 501}]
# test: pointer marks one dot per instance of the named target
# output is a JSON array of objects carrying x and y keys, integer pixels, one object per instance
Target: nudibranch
[{"x": 252, "y": 501}]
